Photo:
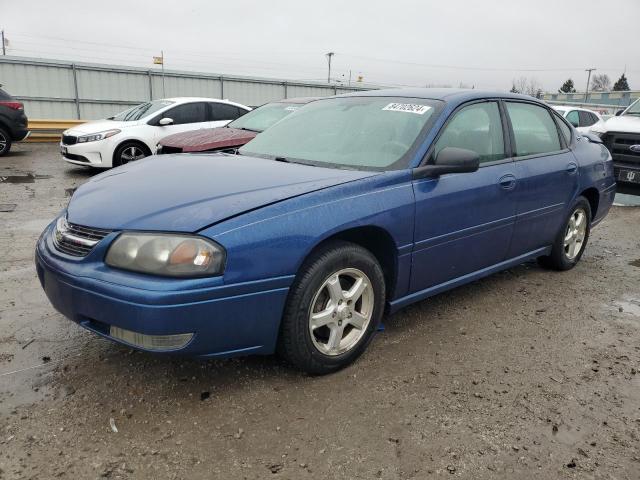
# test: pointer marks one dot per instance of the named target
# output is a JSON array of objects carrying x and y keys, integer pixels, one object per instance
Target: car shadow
[{"x": 156, "y": 376}]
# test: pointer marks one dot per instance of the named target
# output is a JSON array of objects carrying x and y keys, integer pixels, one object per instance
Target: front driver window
[
  {"x": 573, "y": 118},
  {"x": 477, "y": 128}
]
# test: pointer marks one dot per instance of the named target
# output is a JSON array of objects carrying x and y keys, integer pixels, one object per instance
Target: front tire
[
  {"x": 571, "y": 239},
  {"x": 129, "y": 152},
  {"x": 5, "y": 142},
  {"x": 333, "y": 310}
]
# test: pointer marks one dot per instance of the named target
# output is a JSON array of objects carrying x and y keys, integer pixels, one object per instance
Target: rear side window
[
  {"x": 188, "y": 113},
  {"x": 573, "y": 117},
  {"x": 534, "y": 130},
  {"x": 478, "y": 128},
  {"x": 587, "y": 119},
  {"x": 224, "y": 111}
]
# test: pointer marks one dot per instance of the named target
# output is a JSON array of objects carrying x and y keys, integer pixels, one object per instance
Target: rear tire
[
  {"x": 5, "y": 142},
  {"x": 333, "y": 310},
  {"x": 571, "y": 239}
]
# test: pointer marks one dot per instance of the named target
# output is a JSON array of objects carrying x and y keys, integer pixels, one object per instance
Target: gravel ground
[{"x": 525, "y": 374}]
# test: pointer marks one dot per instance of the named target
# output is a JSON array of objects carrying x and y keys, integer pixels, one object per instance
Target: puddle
[
  {"x": 629, "y": 306},
  {"x": 626, "y": 200},
  {"x": 28, "y": 178}
]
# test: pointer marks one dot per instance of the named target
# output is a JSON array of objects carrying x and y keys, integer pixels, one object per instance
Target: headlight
[
  {"x": 167, "y": 255},
  {"x": 598, "y": 133},
  {"x": 98, "y": 136}
]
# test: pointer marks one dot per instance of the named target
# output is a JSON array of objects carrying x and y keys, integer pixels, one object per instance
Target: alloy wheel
[
  {"x": 3, "y": 143},
  {"x": 131, "y": 154},
  {"x": 575, "y": 234},
  {"x": 341, "y": 311}
]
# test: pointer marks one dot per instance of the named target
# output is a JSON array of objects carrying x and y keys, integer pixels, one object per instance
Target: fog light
[{"x": 151, "y": 342}]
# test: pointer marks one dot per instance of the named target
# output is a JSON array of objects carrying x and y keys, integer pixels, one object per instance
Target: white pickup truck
[{"x": 621, "y": 135}]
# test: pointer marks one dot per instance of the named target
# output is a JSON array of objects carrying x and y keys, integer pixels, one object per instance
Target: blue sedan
[{"x": 349, "y": 208}]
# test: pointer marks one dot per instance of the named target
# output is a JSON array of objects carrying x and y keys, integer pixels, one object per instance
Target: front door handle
[
  {"x": 572, "y": 168},
  {"x": 507, "y": 182}
]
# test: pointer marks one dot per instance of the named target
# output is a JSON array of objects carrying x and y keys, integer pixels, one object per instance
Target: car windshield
[
  {"x": 141, "y": 111},
  {"x": 350, "y": 132},
  {"x": 263, "y": 117},
  {"x": 634, "y": 109}
]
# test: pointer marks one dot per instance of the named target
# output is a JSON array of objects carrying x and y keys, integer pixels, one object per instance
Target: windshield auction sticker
[{"x": 408, "y": 108}]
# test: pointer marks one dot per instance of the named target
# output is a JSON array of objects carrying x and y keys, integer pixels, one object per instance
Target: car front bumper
[
  {"x": 92, "y": 154},
  {"x": 225, "y": 320}
]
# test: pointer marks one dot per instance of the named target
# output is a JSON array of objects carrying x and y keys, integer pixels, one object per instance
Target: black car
[{"x": 13, "y": 122}]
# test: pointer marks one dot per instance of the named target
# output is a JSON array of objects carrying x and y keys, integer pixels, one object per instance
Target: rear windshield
[
  {"x": 140, "y": 111},
  {"x": 370, "y": 133},
  {"x": 263, "y": 117},
  {"x": 4, "y": 95}
]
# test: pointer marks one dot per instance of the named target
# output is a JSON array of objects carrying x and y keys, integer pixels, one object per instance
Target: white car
[
  {"x": 581, "y": 118},
  {"x": 135, "y": 133},
  {"x": 621, "y": 135}
]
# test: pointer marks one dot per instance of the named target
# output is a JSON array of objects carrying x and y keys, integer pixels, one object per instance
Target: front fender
[{"x": 274, "y": 241}]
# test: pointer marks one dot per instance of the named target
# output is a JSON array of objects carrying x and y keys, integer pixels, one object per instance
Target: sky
[{"x": 482, "y": 44}]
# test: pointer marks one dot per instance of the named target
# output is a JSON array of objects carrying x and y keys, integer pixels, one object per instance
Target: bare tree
[
  {"x": 528, "y": 86},
  {"x": 600, "y": 83}
]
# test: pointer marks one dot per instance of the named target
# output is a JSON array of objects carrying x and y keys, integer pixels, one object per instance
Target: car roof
[
  {"x": 570, "y": 107},
  {"x": 449, "y": 95},
  {"x": 202, "y": 99}
]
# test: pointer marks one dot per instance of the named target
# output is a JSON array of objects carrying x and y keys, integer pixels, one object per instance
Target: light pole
[
  {"x": 586, "y": 92},
  {"x": 329, "y": 55}
]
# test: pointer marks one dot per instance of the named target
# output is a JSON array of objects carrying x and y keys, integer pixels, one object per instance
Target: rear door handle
[
  {"x": 507, "y": 182},
  {"x": 572, "y": 168}
]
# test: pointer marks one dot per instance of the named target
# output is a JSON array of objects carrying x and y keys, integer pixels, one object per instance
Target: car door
[
  {"x": 547, "y": 174},
  {"x": 222, "y": 113},
  {"x": 186, "y": 117},
  {"x": 464, "y": 221}
]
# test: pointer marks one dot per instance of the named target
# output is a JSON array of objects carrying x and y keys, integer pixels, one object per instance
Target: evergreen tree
[
  {"x": 621, "y": 85},
  {"x": 567, "y": 87}
]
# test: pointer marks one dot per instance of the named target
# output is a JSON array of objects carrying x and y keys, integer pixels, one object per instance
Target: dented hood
[
  {"x": 185, "y": 193},
  {"x": 208, "y": 139}
]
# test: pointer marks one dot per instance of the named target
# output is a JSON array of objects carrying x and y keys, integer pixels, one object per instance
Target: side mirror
[
  {"x": 619, "y": 112},
  {"x": 165, "y": 121},
  {"x": 449, "y": 160}
]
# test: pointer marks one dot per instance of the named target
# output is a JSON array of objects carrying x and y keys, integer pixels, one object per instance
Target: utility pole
[
  {"x": 4, "y": 49},
  {"x": 329, "y": 55},
  {"x": 586, "y": 92},
  {"x": 162, "y": 56}
]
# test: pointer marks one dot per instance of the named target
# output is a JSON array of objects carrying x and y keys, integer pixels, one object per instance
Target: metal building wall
[{"x": 52, "y": 89}]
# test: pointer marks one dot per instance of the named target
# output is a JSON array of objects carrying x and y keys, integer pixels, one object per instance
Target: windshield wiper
[
  {"x": 632, "y": 113},
  {"x": 246, "y": 129},
  {"x": 282, "y": 159}
]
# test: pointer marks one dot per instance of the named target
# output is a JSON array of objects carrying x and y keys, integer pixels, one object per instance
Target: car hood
[
  {"x": 623, "y": 123},
  {"x": 208, "y": 139},
  {"x": 98, "y": 126},
  {"x": 185, "y": 193}
]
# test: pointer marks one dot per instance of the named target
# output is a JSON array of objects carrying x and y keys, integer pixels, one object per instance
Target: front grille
[
  {"x": 76, "y": 240},
  {"x": 69, "y": 139},
  {"x": 619, "y": 145}
]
